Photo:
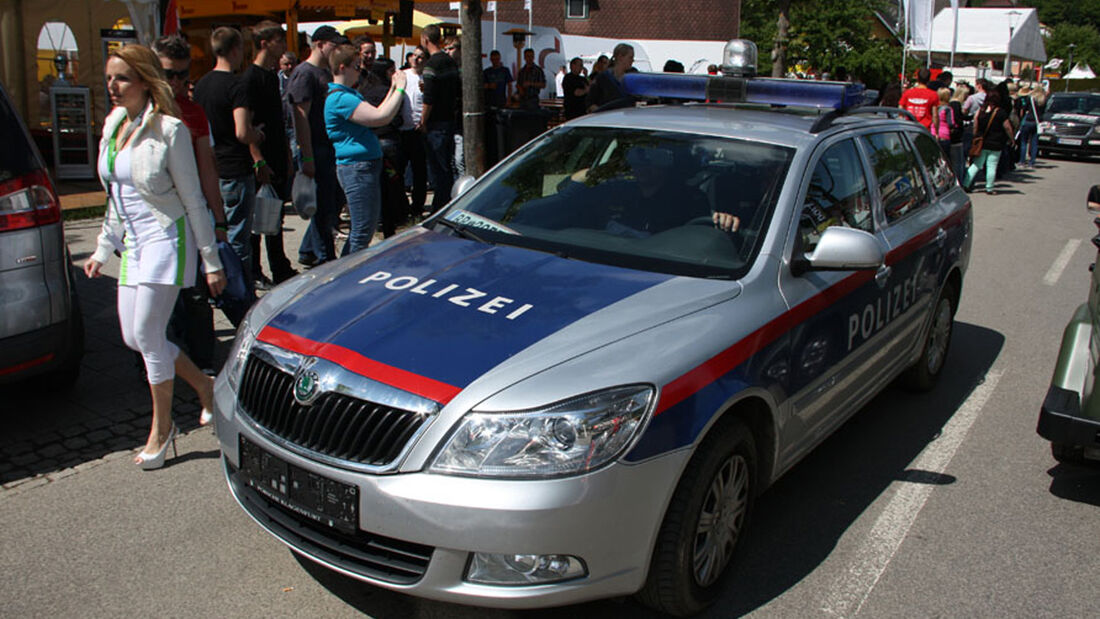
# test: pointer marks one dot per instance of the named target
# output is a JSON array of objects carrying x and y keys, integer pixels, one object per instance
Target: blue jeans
[
  {"x": 318, "y": 240},
  {"x": 1029, "y": 143},
  {"x": 989, "y": 159},
  {"x": 239, "y": 196},
  {"x": 362, "y": 186},
  {"x": 440, "y": 140}
]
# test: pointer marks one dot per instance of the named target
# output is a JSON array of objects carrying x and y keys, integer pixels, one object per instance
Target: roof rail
[{"x": 826, "y": 120}]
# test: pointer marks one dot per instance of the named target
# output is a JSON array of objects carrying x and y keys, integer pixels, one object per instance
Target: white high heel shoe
[
  {"x": 206, "y": 417},
  {"x": 148, "y": 461}
]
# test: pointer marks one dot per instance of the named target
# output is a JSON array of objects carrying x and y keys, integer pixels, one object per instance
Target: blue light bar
[{"x": 769, "y": 91}]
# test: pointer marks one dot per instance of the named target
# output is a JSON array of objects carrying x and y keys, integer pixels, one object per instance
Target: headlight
[
  {"x": 568, "y": 438},
  {"x": 238, "y": 354}
]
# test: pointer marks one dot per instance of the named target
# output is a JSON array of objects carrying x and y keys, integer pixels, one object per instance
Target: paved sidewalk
[{"x": 50, "y": 434}]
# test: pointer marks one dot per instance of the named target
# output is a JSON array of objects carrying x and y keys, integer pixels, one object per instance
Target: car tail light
[{"x": 28, "y": 201}]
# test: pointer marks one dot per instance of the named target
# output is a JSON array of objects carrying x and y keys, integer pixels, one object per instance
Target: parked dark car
[
  {"x": 1070, "y": 415},
  {"x": 41, "y": 328},
  {"x": 1069, "y": 126}
]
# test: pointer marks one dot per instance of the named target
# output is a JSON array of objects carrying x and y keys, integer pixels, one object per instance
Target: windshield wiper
[{"x": 462, "y": 231}]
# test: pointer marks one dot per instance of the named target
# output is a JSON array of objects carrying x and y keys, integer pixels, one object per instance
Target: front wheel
[
  {"x": 926, "y": 371},
  {"x": 705, "y": 520}
]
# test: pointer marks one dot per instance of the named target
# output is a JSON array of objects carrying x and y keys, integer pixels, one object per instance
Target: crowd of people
[{"x": 985, "y": 129}]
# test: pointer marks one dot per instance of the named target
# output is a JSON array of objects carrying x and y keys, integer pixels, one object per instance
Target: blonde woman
[
  {"x": 156, "y": 217},
  {"x": 1030, "y": 105},
  {"x": 607, "y": 87}
]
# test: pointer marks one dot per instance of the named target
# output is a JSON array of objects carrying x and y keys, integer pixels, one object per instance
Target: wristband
[
  {"x": 307, "y": 159},
  {"x": 259, "y": 164},
  {"x": 400, "y": 90},
  {"x": 221, "y": 225}
]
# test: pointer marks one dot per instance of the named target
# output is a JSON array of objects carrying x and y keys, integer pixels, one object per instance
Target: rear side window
[
  {"x": 16, "y": 156},
  {"x": 899, "y": 177},
  {"x": 939, "y": 168}
]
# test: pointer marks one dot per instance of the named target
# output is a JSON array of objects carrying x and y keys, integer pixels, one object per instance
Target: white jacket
[{"x": 166, "y": 177}]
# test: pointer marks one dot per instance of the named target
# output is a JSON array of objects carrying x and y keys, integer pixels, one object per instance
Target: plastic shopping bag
[
  {"x": 269, "y": 208},
  {"x": 304, "y": 195}
]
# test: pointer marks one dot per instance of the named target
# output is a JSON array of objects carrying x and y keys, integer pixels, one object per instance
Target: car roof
[{"x": 785, "y": 127}]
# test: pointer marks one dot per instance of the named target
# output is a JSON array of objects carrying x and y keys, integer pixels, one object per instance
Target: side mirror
[
  {"x": 463, "y": 183},
  {"x": 842, "y": 249}
]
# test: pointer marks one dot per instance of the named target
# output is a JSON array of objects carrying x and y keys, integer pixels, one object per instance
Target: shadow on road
[
  {"x": 798, "y": 521},
  {"x": 49, "y": 427},
  {"x": 1076, "y": 483}
]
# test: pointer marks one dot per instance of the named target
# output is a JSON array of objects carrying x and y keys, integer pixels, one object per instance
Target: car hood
[{"x": 433, "y": 313}]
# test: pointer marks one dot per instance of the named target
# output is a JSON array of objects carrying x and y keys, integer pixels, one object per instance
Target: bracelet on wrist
[
  {"x": 400, "y": 90},
  {"x": 221, "y": 225},
  {"x": 307, "y": 159},
  {"x": 259, "y": 164}
]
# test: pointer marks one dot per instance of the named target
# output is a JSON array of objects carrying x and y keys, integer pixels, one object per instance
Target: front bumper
[
  {"x": 1060, "y": 420},
  {"x": 418, "y": 530},
  {"x": 1057, "y": 144}
]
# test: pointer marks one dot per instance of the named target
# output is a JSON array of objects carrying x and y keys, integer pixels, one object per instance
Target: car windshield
[
  {"x": 1074, "y": 104},
  {"x": 635, "y": 198}
]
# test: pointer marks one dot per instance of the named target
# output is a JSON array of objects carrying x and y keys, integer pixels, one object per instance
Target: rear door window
[
  {"x": 900, "y": 182},
  {"x": 939, "y": 168}
]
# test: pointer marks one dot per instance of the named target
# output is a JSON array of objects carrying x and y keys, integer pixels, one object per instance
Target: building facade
[{"x": 700, "y": 20}]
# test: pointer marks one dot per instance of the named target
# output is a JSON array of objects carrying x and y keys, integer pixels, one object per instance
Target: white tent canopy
[
  {"x": 985, "y": 32},
  {"x": 1080, "y": 73}
]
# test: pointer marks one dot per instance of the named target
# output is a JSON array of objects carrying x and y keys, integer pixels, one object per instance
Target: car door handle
[
  {"x": 941, "y": 236},
  {"x": 882, "y": 275}
]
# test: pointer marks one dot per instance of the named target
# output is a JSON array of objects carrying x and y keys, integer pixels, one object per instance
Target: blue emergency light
[{"x": 726, "y": 89}]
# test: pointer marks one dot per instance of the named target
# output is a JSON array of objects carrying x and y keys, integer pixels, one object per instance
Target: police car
[{"x": 574, "y": 381}]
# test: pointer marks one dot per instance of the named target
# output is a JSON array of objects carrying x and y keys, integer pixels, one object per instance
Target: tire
[
  {"x": 924, "y": 374},
  {"x": 705, "y": 520}
]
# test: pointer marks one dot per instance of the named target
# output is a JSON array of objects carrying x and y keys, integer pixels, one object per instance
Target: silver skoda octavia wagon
[{"x": 573, "y": 381}]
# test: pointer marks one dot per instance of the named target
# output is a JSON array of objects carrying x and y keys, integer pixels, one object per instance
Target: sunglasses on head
[{"x": 177, "y": 75}]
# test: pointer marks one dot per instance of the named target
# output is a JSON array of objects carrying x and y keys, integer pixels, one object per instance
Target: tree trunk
[
  {"x": 779, "y": 51},
  {"x": 473, "y": 91}
]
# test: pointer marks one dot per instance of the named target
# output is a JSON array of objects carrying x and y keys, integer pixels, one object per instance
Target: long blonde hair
[{"x": 146, "y": 64}]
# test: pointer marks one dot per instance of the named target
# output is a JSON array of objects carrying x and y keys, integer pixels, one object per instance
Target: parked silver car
[
  {"x": 41, "y": 328},
  {"x": 574, "y": 381}
]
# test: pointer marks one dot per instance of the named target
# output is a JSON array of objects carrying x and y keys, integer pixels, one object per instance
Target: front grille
[
  {"x": 335, "y": 425},
  {"x": 1063, "y": 129},
  {"x": 366, "y": 554}
]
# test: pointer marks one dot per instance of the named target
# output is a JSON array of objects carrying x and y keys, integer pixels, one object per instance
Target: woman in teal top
[{"x": 348, "y": 119}]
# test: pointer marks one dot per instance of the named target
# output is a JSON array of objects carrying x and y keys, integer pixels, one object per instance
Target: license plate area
[
  {"x": 318, "y": 498},
  {"x": 1069, "y": 142}
]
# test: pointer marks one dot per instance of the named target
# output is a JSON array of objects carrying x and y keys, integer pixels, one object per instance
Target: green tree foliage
[
  {"x": 1071, "y": 21},
  {"x": 1085, "y": 38},
  {"x": 831, "y": 37},
  {"x": 1080, "y": 12}
]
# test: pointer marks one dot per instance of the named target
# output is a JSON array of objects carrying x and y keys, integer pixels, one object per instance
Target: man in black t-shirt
[
  {"x": 575, "y": 87},
  {"x": 262, "y": 85},
  {"x": 306, "y": 92},
  {"x": 223, "y": 97},
  {"x": 440, "y": 87}
]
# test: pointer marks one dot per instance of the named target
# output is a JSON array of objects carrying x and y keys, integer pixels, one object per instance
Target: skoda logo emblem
[{"x": 306, "y": 384}]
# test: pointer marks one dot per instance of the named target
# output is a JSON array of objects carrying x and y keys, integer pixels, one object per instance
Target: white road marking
[
  {"x": 1061, "y": 262},
  {"x": 855, "y": 584}
]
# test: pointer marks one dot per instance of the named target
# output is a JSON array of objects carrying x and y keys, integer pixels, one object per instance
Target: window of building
[{"x": 576, "y": 9}]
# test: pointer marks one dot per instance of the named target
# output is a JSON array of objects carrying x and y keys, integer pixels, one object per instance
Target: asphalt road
[{"x": 944, "y": 504}]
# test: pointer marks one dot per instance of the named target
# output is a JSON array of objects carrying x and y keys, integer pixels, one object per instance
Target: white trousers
[{"x": 143, "y": 313}]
